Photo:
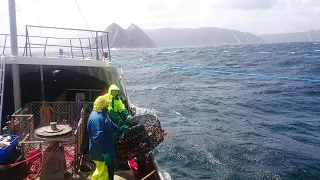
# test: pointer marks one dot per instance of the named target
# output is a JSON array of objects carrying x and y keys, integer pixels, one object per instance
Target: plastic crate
[{"x": 8, "y": 150}]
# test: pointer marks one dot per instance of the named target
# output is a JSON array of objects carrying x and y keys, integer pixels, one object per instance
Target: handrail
[
  {"x": 93, "y": 50},
  {"x": 4, "y": 46},
  {"x": 56, "y": 45},
  {"x": 71, "y": 29},
  {"x": 49, "y": 37}
]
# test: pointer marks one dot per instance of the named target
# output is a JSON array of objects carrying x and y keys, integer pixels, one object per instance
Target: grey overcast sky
[{"x": 256, "y": 16}]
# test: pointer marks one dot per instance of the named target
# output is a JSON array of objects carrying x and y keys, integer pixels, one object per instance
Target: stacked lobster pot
[{"x": 145, "y": 134}]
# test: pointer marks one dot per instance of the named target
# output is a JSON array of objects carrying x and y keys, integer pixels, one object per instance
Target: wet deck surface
[
  {"x": 119, "y": 175},
  {"x": 21, "y": 171}
]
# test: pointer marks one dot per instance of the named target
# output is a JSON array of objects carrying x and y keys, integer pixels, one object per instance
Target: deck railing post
[
  {"x": 81, "y": 48},
  {"x": 90, "y": 47},
  {"x": 108, "y": 47},
  {"x": 45, "y": 47},
  {"x": 28, "y": 40},
  {"x": 97, "y": 45},
  {"x": 71, "y": 48},
  {"x": 101, "y": 43},
  {"x": 25, "y": 51},
  {"x": 4, "y": 46}
]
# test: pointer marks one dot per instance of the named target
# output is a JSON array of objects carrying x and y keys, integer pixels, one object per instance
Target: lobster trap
[
  {"x": 34, "y": 115},
  {"x": 145, "y": 134}
]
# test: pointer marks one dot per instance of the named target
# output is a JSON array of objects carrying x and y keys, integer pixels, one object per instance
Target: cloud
[
  {"x": 245, "y": 4},
  {"x": 257, "y": 16},
  {"x": 263, "y": 4}
]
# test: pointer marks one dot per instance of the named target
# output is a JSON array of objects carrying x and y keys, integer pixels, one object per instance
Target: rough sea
[{"x": 231, "y": 112}]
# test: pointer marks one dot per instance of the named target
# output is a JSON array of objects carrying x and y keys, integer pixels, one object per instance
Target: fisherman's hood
[
  {"x": 100, "y": 103},
  {"x": 112, "y": 87}
]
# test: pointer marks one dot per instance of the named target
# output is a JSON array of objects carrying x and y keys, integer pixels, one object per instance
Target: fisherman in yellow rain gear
[
  {"x": 101, "y": 140},
  {"x": 116, "y": 109}
]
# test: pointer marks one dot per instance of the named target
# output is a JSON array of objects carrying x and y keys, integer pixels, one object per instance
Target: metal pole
[
  {"x": 45, "y": 47},
  {"x": 101, "y": 44},
  {"x": 25, "y": 51},
  {"x": 90, "y": 47},
  {"x": 27, "y": 35},
  {"x": 108, "y": 47},
  {"x": 97, "y": 46},
  {"x": 14, "y": 52},
  {"x": 42, "y": 83},
  {"x": 4, "y": 46},
  {"x": 71, "y": 48},
  {"x": 81, "y": 48}
]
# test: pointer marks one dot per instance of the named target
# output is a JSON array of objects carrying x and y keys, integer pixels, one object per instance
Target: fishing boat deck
[
  {"x": 118, "y": 175},
  {"x": 21, "y": 172},
  {"x": 25, "y": 120}
]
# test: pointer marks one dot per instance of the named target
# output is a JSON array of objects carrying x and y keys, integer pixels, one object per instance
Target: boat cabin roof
[{"x": 58, "y": 61}]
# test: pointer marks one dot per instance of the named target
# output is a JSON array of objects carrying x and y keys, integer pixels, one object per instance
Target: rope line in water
[{"x": 214, "y": 71}]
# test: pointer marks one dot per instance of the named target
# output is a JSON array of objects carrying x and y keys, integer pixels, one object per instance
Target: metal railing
[{"x": 93, "y": 47}]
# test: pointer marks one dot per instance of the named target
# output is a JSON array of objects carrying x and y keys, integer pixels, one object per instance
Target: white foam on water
[
  {"x": 165, "y": 175},
  {"x": 177, "y": 112},
  {"x": 142, "y": 111}
]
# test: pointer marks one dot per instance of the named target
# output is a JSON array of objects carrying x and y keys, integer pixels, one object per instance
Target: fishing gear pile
[{"x": 145, "y": 134}]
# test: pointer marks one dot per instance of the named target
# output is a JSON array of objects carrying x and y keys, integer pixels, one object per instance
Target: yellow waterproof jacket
[{"x": 116, "y": 103}]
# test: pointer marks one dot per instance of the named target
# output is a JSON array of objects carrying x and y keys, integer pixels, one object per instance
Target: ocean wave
[{"x": 229, "y": 126}]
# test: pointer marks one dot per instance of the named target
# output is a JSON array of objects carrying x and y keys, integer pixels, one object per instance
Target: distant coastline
[{"x": 135, "y": 37}]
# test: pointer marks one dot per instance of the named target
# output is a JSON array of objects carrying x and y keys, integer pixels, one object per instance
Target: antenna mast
[{"x": 14, "y": 53}]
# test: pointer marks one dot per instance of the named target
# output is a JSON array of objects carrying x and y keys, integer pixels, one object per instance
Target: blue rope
[{"x": 214, "y": 71}]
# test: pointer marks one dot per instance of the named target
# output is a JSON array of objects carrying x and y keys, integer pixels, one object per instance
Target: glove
[
  {"x": 124, "y": 127},
  {"x": 107, "y": 159},
  {"x": 115, "y": 117},
  {"x": 125, "y": 114}
]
